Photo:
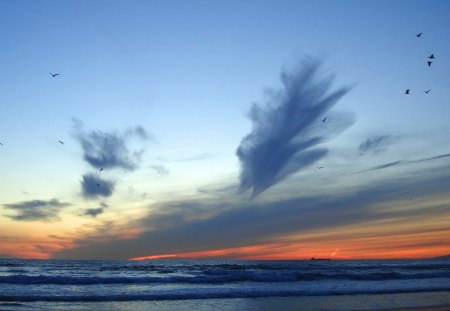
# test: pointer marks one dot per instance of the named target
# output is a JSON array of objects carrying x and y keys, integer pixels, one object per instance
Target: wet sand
[{"x": 435, "y": 308}]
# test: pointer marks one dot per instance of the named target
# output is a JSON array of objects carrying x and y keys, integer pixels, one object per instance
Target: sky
[{"x": 224, "y": 129}]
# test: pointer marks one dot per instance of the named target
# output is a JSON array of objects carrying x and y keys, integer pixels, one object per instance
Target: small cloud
[
  {"x": 96, "y": 211},
  {"x": 287, "y": 128},
  {"x": 161, "y": 170},
  {"x": 109, "y": 149},
  {"x": 36, "y": 210},
  {"x": 93, "y": 211},
  {"x": 375, "y": 144},
  {"x": 94, "y": 186}
]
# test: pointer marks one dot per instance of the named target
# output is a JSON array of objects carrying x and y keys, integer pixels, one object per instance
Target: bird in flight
[
  {"x": 61, "y": 142},
  {"x": 1, "y": 144},
  {"x": 418, "y": 35},
  {"x": 429, "y": 63},
  {"x": 427, "y": 91},
  {"x": 101, "y": 169},
  {"x": 320, "y": 167},
  {"x": 407, "y": 91},
  {"x": 98, "y": 185},
  {"x": 324, "y": 119},
  {"x": 431, "y": 56},
  {"x": 54, "y": 74}
]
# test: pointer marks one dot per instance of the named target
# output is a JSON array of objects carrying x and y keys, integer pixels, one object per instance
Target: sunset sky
[{"x": 196, "y": 129}]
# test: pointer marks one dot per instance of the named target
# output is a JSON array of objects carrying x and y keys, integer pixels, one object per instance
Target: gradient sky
[{"x": 206, "y": 118}]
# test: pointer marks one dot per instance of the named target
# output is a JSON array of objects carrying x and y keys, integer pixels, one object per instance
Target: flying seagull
[
  {"x": 418, "y": 35},
  {"x": 320, "y": 167},
  {"x": 61, "y": 142},
  {"x": 324, "y": 119},
  {"x": 407, "y": 91},
  {"x": 427, "y": 91},
  {"x": 431, "y": 56},
  {"x": 101, "y": 169},
  {"x": 429, "y": 63},
  {"x": 54, "y": 74}
]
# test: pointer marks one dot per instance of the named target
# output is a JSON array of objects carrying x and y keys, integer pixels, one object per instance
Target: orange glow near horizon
[
  {"x": 346, "y": 243},
  {"x": 422, "y": 236}
]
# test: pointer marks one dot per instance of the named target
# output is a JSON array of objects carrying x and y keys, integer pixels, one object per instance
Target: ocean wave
[
  {"x": 211, "y": 295},
  {"x": 221, "y": 277}
]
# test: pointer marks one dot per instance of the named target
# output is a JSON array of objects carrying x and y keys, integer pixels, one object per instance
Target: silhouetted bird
[
  {"x": 324, "y": 119},
  {"x": 98, "y": 185},
  {"x": 418, "y": 35},
  {"x": 61, "y": 142},
  {"x": 1, "y": 144},
  {"x": 54, "y": 74},
  {"x": 320, "y": 167},
  {"x": 427, "y": 91},
  {"x": 429, "y": 63},
  {"x": 101, "y": 169},
  {"x": 407, "y": 91},
  {"x": 431, "y": 56}
]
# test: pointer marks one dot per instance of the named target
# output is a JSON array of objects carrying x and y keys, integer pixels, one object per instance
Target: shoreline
[{"x": 430, "y": 308}]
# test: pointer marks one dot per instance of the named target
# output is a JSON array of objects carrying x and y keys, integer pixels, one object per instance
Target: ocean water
[{"x": 222, "y": 285}]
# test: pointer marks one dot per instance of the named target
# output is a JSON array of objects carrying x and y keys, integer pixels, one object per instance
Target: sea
[{"x": 193, "y": 285}]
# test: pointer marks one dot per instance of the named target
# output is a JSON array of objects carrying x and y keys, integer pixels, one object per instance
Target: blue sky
[{"x": 187, "y": 73}]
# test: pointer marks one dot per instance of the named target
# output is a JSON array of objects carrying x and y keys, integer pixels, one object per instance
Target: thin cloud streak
[
  {"x": 288, "y": 126},
  {"x": 404, "y": 162},
  {"x": 36, "y": 210}
]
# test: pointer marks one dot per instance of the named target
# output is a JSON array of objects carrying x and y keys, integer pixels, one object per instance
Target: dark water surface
[{"x": 208, "y": 285}]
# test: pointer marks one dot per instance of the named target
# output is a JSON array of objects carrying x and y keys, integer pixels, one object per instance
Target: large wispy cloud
[
  {"x": 109, "y": 150},
  {"x": 36, "y": 210},
  {"x": 287, "y": 127},
  {"x": 93, "y": 186}
]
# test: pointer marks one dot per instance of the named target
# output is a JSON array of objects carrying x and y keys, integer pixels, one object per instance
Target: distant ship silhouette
[{"x": 312, "y": 258}]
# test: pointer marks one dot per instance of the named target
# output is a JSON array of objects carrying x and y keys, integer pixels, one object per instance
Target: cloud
[
  {"x": 288, "y": 126},
  {"x": 109, "y": 150},
  {"x": 93, "y": 211},
  {"x": 96, "y": 211},
  {"x": 93, "y": 186},
  {"x": 404, "y": 162},
  {"x": 36, "y": 210},
  {"x": 161, "y": 170},
  {"x": 375, "y": 144},
  {"x": 177, "y": 227}
]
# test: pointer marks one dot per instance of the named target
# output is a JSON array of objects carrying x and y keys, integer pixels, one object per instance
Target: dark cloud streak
[
  {"x": 36, "y": 210},
  {"x": 404, "y": 162}
]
